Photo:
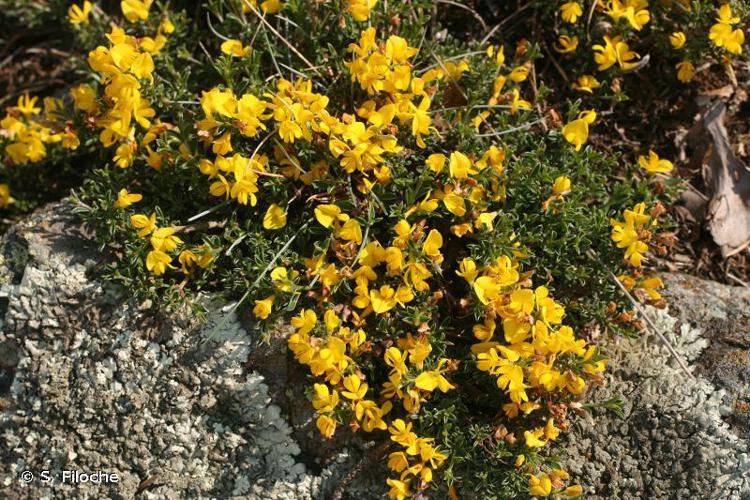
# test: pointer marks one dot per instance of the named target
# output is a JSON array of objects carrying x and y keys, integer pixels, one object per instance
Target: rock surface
[
  {"x": 679, "y": 437},
  {"x": 92, "y": 380}
]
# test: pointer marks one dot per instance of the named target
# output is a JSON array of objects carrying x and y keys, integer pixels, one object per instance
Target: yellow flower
[
  {"x": 586, "y": 83},
  {"x": 135, "y": 10},
  {"x": 540, "y": 486},
  {"x": 396, "y": 360},
  {"x": 125, "y": 199},
  {"x": 467, "y": 269},
  {"x": 223, "y": 144},
  {"x": 360, "y": 9},
  {"x": 154, "y": 160},
  {"x": 532, "y": 438},
  {"x": 631, "y": 234},
  {"x": 500, "y": 56},
  {"x": 383, "y": 300},
  {"x": 570, "y": 12},
  {"x": 272, "y": 6},
  {"x": 325, "y": 400},
  {"x": 431, "y": 380},
  {"x": 421, "y": 120},
  {"x": 305, "y": 321},
  {"x": 164, "y": 239},
  {"x": 573, "y": 491},
  {"x": 398, "y": 461},
  {"x": 485, "y": 219},
  {"x": 685, "y": 71},
  {"x": 550, "y": 431},
  {"x": 125, "y": 154},
  {"x": 84, "y": 97},
  {"x": 436, "y": 162},
  {"x": 158, "y": 262},
  {"x": 614, "y": 51},
  {"x": 143, "y": 65},
  {"x": 577, "y": 131},
  {"x": 492, "y": 158},
  {"x": 326, "y": 215},
  {"x": 650, "y": 285},
  {"x": 677, "y": 39},
  {"x": 519, "y": 74},
  {"x": 487, "y": 289},
  {"x": 268, "y": 6},
  {"x": 79, "y": 15},
  {"x": 275, "y": 217},
  {"x": 399, "y": 489},
  {"x": 351, "y": 231},
  {"x": 143, "y": 224},
  {"x": 263, "y": 307},
  {"x": 726, "y": 16},
  {"x": 27, "y": 105},
  {"x": 460, "y": 166},
  {"x": 455, "y": 204},
  {"x": 355, "y": 388},
  {"x": 654, "y": 165},
  {"x": 5, "y": 197},
  {"x": 329, "y": 276},
  {"x": 235, "y": 48},
  {"x": 722, "y": 35},
  {"x": 561, "y": 186},
  {"x": 326, "y": 425},
  {"x": 566, "y": 44},
  {"x": 432, "y": 244}
]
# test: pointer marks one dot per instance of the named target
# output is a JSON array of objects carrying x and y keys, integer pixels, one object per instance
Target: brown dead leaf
[{"x": 729, "y": 181}]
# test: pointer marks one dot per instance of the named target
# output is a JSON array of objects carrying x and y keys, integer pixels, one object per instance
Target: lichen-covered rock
[
  {"x": 722, "y": 313},
  {"x": 93, "y": 381},
  {"x": 673, "y": 441}
]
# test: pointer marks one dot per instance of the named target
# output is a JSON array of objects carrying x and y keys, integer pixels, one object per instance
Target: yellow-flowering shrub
[{"x": 409, "y": 208}]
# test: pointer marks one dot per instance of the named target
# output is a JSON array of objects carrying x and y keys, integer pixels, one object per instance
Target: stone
[
  {"x": 675, "y": 433},
  {"x": 91, "y": 382}
]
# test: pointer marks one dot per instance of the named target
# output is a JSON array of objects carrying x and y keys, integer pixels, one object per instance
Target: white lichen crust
[
  {"x": 96, "y": 382},
  {"x": 672, "y": 441}
]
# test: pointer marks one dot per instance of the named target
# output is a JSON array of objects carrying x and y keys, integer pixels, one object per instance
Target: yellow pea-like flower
[
  {"x": 235, "y": 48},
  {"x": 275, "y": 217},
  {"x": 577, "y": 131},
  {"x": 79, "y": 15},
  {"x": 125, "y": 199},
  {"x": 263, "y": 307}
]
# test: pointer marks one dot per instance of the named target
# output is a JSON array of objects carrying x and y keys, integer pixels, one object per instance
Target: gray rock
[
  {"x": 91, "y": 380},
  {"x": 673, "y": 441}
]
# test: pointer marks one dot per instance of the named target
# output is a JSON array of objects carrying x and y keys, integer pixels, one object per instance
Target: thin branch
[
  {"x": 281, "y": 37},
  {"x": 643, "y": 314},
  {"x": 206, "y": 212},
  {"x": 231, "y": 309},
  {"x": 211, "y": 27},
  {"x": 504, "y": 22},
  {"x": 466, "y": 8},
  {"x": 514, "y": 129},
  {"x": 736, "y": 279}
]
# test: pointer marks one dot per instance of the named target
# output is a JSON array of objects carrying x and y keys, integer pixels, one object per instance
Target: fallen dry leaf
[{"x": 729, "y": 180}]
